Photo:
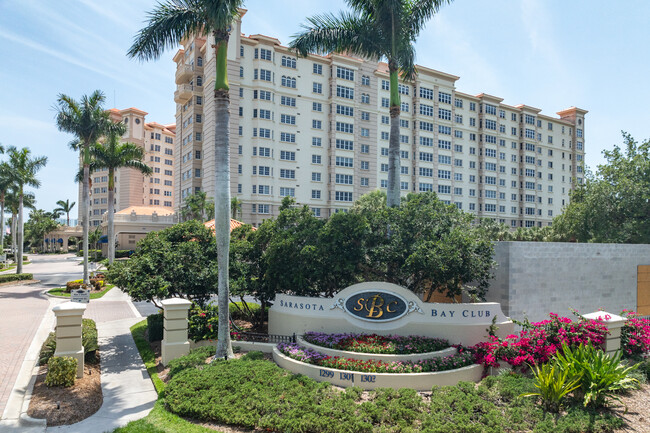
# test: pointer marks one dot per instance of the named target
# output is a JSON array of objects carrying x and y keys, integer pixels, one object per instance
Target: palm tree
[
  {"x": 375, "y": 29},
  {"x": 93, "y": 239},
  {"x": 23, "y": 168},
  {"x": 235, "y": 207},
  {"x": 6, "y": 182},
  {"x": 196, "y": 206},
  {"x": 87, "y": 120},
  {"x": 168, "y": 23},
  {"x": 65, "y": 207},
  {"x": 12, "y": 203},
  {"x": 112, "y": 155}
]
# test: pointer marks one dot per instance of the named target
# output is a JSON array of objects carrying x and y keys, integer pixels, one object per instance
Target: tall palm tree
[
  {"x": 23, "y": 168},
  {"x": 112, "y": 155},
  {"x": 6, "y": 182},
  {"x": 168, "y": 23},
  {"x": 12, "y": 203},
  {"x": 65, "y": 207},
  {"x": 87, "y": 121},
  {"x": 235, "y": 207},
  {"x": 375, "y": 29}
]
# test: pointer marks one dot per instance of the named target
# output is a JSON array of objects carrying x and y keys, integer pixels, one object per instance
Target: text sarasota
[{"x": 301, "y": 306}]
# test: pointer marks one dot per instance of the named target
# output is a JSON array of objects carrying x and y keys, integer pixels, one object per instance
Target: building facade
[
  {"x": 131, "y": 187},
  {"x": 317, "y": 129}
]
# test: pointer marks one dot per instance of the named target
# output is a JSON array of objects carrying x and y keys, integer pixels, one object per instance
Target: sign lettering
[{"x": 376, "y": 306}]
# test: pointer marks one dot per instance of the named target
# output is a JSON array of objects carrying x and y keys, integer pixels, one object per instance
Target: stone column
[
  {"x": 614, "y": 324},
  {"x": 175, "y": 343},
  {"x": 68, "y": 332}
]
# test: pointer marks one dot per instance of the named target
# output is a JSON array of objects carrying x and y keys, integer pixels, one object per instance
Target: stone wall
[{"x": 535, "y": 278}]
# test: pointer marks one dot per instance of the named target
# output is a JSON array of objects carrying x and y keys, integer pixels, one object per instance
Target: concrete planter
[
  {"x": 413, "y": 357},
  {"x": 345, "y": 378}
]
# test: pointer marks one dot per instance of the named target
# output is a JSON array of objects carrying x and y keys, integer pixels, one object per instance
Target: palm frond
[
  {"x": 406, "y": 61},
  {"x": 421, "y": 11}
]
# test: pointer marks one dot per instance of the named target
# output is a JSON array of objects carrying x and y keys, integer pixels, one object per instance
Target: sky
[{"x": 549, "y": 54}]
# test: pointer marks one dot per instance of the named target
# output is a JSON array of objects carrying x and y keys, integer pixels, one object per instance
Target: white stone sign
[
  {"x": 80, "y": 295},
  {"x": 386, "y": 308}
]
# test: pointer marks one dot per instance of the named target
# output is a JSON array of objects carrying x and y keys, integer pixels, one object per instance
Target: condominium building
[
  {"x": 317, "y": 129},
  {"x": 131, "y": 187}
]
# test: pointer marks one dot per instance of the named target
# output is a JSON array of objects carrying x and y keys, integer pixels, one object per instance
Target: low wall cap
[
  {"x": 604, "y": 316},
  {"x": 175, "y": 302},
  {"x": 69, "y": 307}
]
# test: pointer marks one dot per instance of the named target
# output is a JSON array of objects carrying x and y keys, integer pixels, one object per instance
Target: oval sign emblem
[{"x": 376, "y": 306}]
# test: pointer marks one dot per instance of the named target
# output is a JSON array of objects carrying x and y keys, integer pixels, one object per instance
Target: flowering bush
[
  {"x": 373, "y": 343},
  {"x": 635, "y": 336},
  {"x": 539, "y": 341},
  {"x": 309, "y": 356},
  {"x": 203, "y": 323}
]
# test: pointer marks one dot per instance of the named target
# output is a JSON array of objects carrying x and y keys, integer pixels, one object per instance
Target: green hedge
[
  {"x": 61, "y": 371},
  {"x": 5, "y": 278},
  {"x": 155, "y": 327},
  {"x": 120, "y": 254}
]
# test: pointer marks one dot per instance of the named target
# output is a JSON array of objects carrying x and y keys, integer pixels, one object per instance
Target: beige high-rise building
[
  {"x": 131, "y": 187},
  {"x": 317, "y": 129}
]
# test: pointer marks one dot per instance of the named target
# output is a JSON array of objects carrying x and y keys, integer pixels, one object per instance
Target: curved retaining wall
[
  {"x": 344, "y": 378},
  {"x": 377, "y": 356}
]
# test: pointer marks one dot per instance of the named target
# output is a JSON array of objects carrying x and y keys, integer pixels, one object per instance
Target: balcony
[
  {"x": 184, "y": 73},
  {"x": 183, "y": 93}
]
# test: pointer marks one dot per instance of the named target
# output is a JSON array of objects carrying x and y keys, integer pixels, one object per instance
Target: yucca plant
[
  {"x": 601, "y": 375},
  {"x": 554, "y": 384}
]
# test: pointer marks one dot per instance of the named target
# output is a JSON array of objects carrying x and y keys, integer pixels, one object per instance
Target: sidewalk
[{"x": 128, "y": 391}]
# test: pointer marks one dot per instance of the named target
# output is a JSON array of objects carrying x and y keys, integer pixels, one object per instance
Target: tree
[
  {"x": 375, "y": 29},
  {"x": 93, "y": 239},
  {"x": 198, "y": 207},
  {"x": 13, "y": 204},
  {"x": 112, "y": 155},
  {"x": 38, "y": 225},
  {"x": 168, "y": 24},
  {"x": 23, "y": 169},
  {"x": 65, "y": 207},
  {"x": 87, "y": 121},
  {"x": 6, "y": 182},
  {"x": 179, "y": 261},
  {"x": 235, "y": 207},
  {"x": 613, "y": 205}
]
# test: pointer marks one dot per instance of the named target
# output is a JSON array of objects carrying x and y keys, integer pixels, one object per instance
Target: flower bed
[
  {"x": 309, "y": 356},
  {"x": 373, "y": 343},
  {"x": 539, "y": 341},
  {"x": 635, "y": 336}
]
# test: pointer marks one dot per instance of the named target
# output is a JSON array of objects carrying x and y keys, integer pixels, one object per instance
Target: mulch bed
[
  {"x": 63, "y": 406},
  {"x": 638, "y": 411}
]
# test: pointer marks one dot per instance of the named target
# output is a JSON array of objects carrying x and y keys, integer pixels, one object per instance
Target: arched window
[{"x": 199, "y": 61}]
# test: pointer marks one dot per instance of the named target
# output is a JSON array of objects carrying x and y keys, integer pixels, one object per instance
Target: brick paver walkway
[{"x": 21, "y": 311}]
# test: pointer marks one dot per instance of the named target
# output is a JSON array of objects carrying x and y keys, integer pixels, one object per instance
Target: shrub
[
  {"x": 97, "y": 283},
  {"x": 155, "y": 327},
  {"x": 373, "y": 343},
  {"x": 195, "y": 358},
  {"x": 120, "y": 254},
  {"x": 600, "y": 375},
  {"x": 73, "y": 285},
  {"x": 61, "y": 371},
  {"x": 255, "y": 355},
  {"x": 553, "y": 385},
  {"x": 15, "y": 277},
  {"x": 203, "y": 323},
  {"x": 88, "y": 340},
  {"x": 635, "y": 336}
]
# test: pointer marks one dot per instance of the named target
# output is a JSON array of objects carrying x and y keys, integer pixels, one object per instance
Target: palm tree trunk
[
  {"x": 222, "y": 195},
  {"x": 19, "y": 234},
  {"x": 67, "y": 220},
  {"x": 13, "y": 234},
  {"x": 2, "y": 223},
  {"x": 111, "y": 217},
  {"x": 86, "y": 221},
  {"x": 393, "y": 192}
]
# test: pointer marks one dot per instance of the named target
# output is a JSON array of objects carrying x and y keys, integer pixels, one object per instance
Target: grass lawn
[
  {"x": 60, "y": 291},
  {"x": 12, "y": 267}
]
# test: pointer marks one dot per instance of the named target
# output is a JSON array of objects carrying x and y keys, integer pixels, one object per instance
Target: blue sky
[{"x": 550, "y": 54}]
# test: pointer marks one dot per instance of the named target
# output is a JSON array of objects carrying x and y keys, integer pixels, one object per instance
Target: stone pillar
[
  {"x": 614, "y": 324},
  {"x": 68, "y": 332},
  {"x": 175, "y": 343}
]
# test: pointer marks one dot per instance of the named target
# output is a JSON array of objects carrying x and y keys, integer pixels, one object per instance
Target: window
[
  {"x": 458, "y": 191},
  {"x": 365, "y": 148},
  {"x": 264, "y": 151},
  {"x": 365, "y": 132},
  {"x": 490, "y": 180},
  {"x": 444, "y": 189},
  {"x": 344, "y": 110},
  {"x": 288, "y": 101},
  {"x": 287, "y": 192},
  {"x": 490, "y": 109},
  {"x": 342, "y": 161},
  {"x": 241, "y": 72},
  {"x": 315, "y": 193},
  {"x": 365, "y": 80},
  {"x": 343, "y": 179},
  {"x": 426, "y": 93},
  {"x": 444, "y": 174},
  {"x": 444, "y": 159},
  {"x": 426, "y": 126},
  {"x": 365, "y": 98},
  {"x": 444, "y": 114},
  {"x": 317, "y": 88},
  {"x": 344, "y": 144},
  {"x": 458, "y": 103},
  {"x": 316, "y": 141},
  {"x": 365, "y": 115},
  {"x": 288, "y": 82},
  {"x": 426, "y": 141},
  {"x": 265, "y": 75},
  {"x": 317, "y": 106},
  {"x": 345, "y": 92},
  {"x": 403, "y": 89},
  {"x": 316, "y": 159},
  {"x": 490, "y": 166},
  {"x": 287, "y": 174},
  {"x": 317, "y": 124},
  {"x": 426, "y": 172},
  {"x": 530, "y": 120},
  {"x": 424, "y": 187},
  {"x": 385, "y": 85},
  {"x": 264, "y": 54},
  {"x": 444, "y": 144},
  {"x": 403, "y": 123},
  {"x": 344, "y": 73},
  {"x": 318, "y": 69},
  {"x": 287, "y": 119},
  {"x": 199, "y": 100},
  {"x": 490, "y": 193},
  {"x": 490, "y": 124},
  {"x": 365, "y": 165},
  {"x": 385, "y": 102},
  {"x": 426, "y": 156},
  {"x": 426, "y": 110},
  {"x": 472, "y": 121},
  {"x": 343, "y": 196},
  {"x": 530, "y": 133},
  {"x": 404, "y": 139},
  {"x": 289, "y": 62},
  {"x": 458, "y": 118},
  {"x": 491, "y": 153},
  {"x": 405, "y": 107},
  {"x": 444, "y": 130},
  {"x": 287, "y": 137},
  {"x": 445, "y": 98},
  {"x": 458, "y": 148},
  {"x": 385, "y": 135},
  {"x": 287, "y": 155},
  {"x": 458, "y": 133},
  {"x": 345, "y": 127},
  {"x": 315, "y": 177}
]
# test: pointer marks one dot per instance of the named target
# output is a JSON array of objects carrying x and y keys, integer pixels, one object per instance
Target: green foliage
[
  {"x": 611, "y": 205},
  {"x": 553, "y": 385},
  {"x": 148, "y": 356},
  {"x": 15, "y": 277},
  {"x": 179, "y": 261},
  {"x": 38, "y": 225},
  {"x": 255, "y": 355},
  {"x": 61, "y": 371},
  {"x": 644, "y": 368},
  {"x": 120, "y": 254},
  {"x": 196, "y": 358},
  {"x": 88, "y": 340},
  {"x": 155, "y": 326},
  {"x": 600, "y": 375}
]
